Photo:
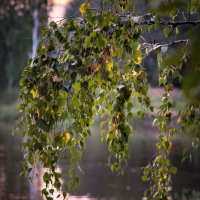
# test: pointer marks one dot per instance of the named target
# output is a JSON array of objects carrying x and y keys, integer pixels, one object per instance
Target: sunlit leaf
[
  {"x": 67, "y": 137},
  {"x": 109, "y": 66},
  {"x": 34, "y": 93},
  {"x": 84, "y": 7}
]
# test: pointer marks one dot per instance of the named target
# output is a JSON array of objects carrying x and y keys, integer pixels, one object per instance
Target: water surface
[{"x": 98, "y": 182}]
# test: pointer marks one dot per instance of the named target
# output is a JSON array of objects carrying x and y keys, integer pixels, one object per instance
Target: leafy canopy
[{"x": 92, "y": 65}]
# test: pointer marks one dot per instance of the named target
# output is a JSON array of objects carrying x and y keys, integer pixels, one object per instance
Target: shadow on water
[{"x": 98, "y": 182}]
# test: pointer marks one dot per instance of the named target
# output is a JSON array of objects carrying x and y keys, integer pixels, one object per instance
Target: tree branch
[
  {"x": 157, "y": 45},
  {"x": 178, "y": 23},
  {"x": 139, "y": 20},
  {"x": 154, "y": 47}
]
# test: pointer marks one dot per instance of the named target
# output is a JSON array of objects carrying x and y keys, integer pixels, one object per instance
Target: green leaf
[
  {"x": 64, "y": 195},
  {"x": 77, "y": 180},
  {"x": 102, "y": 124},
  {"x": 53, "y": 25},
  {"x": 77, "y": 87},
  {"x": 58, "y": 35},
  {"x": 70, "y": 184},
  {"x": 71, "y": 172},
  {"x": 144, "y": 178},
  {"x": 173, "y": 170},
  {"x": 51, "y": 191},
  {"x": 79, "y": 154},
  {"x": 30, "y": 159},
  {"x": 43, "y": 125},
  {"x": 151, "y": 108},
  {"x": 166, "y": 31}
]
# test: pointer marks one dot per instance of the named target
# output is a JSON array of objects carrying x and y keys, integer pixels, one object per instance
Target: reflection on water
[
  {"x": 12, "y": 185},
  {"x": 2, "y": 173},
  {"x": 98, "y": 182}
]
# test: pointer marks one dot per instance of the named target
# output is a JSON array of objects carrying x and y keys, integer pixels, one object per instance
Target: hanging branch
[{"x": 154, "y": 46}]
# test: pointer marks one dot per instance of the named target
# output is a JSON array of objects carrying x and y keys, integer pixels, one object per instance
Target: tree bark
[
  {"x": 35, "y": 31},
  {"x": 34, "y": 185}
]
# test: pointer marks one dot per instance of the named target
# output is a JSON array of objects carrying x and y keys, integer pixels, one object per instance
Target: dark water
[{"x": 98, "y": 182}]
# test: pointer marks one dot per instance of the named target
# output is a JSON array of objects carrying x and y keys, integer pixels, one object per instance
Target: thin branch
[
  {"x": 167, "y": 23},
  {"x": 178, "y": 23},
  {"x": 76, "y": 14},
  {"x": 171, "y": 31},
  {"x": 140, "y": 20},
  {"x": 151, "y": 20},
  {"x": 70, "y": 17},
  {"x": 155, "y": 46}
]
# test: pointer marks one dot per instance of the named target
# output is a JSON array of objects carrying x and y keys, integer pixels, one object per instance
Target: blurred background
[{"x": 20, "y": 24}]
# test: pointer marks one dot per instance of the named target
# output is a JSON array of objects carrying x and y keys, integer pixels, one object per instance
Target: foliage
[{"x": 93, "y": 65}]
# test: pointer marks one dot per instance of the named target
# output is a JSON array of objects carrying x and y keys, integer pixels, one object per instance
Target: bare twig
[
  {"x": 178, "y": 23},
  {"x": 76, "y": 14},
  {"x": 155, "y": 46}
]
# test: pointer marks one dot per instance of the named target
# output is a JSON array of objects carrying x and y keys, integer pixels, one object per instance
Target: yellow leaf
[
  {"x": 84, "y": 7},
  {"x": 113, "y": 53},
  {"x": 106, "y": 58},
  {"x": 138, "y": 55},
  {"x": 34, "y": 93},
  {"x": 38, "y": 112},
  {"x": 134, "y": 73},
  {"x": 136, "y": 94},
  {"x": 109, "y": 66},
  {"x": 169, "y": 147},
  {"x": 67, "y": 137},
  {"x": 96, "y": 66},
  {"x": 179, "y": 120},
  {"x": 177, "y": 31},
  {"x": 189, "y": 112},
  {"x": 139, "y": 59}
]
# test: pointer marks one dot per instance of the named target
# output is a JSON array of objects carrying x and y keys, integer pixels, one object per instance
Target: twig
[
  {"x": 156, "y": 45},
  {"x": 76, "y": 14},
  {"x": 171, "y": 31},
  {"x": 178, "y": 23}
]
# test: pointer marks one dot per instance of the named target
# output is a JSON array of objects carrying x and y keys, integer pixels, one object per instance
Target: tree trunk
[
  {"x": 10, "y": 65},
  {"x": 35, "y": 31},
  {"x": 34, "y": 185}
]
